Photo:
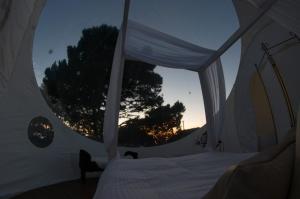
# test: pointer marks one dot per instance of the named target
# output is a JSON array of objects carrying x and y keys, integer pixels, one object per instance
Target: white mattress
[{"x": 184, "y": 177}]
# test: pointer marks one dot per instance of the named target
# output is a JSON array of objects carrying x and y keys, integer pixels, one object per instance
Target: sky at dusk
[{"x": 207, "y": 23}]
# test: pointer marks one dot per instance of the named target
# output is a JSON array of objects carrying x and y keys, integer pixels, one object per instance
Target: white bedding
[{"x": 184, "y": 177}]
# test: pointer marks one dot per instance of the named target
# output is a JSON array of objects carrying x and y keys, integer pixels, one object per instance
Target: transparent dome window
[{"x": 65, "y": 43}]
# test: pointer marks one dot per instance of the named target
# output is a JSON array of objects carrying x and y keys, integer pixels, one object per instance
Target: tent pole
[
  {"x": 238, "y": 34},
  {"x": 282, "y": 85}
]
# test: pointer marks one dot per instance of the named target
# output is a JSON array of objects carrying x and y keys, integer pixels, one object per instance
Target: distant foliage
[
  {"x": 160, "y": 124},
  {"x": 77, "y": 87}
]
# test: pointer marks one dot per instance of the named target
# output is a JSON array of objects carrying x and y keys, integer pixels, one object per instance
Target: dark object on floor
[
  {"x": 133, "y": 154},
  {"x": 86, "y": 164}
]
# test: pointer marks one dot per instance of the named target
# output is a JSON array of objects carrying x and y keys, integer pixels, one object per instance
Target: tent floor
[{"x": 66, "y": 190}]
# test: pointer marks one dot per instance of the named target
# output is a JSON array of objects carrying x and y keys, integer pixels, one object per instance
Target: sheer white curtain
[
  {"x": 146, "y": 44},
  {"x": 214, "y": 96},
  {"x": 284, "y": 12},
  {"x": 154, "y": 47}
]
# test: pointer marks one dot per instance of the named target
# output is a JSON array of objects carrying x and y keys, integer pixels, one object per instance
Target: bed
[{"x": 183, "y": 177}]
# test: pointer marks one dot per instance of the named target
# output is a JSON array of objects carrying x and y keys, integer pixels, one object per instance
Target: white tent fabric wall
[
  {"x": 154, "y": 47},
  {"x": 284, "y": 12},
  {"x": 10, "y": 39},
  {"x": 229, "y": 135},
  {"x": 266, "y": 30},
  {"x": 279, "y": 108}
]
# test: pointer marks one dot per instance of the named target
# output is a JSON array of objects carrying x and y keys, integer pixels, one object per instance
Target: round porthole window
[{"x": 40, "y": 132}]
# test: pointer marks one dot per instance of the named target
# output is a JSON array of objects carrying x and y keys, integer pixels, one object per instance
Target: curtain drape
[
  {"x": 214, "y": 96},
  {"x": 148, "y": 45},
  {"x": 152, "y": 46}
]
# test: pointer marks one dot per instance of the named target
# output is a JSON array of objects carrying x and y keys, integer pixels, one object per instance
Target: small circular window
[{"x": 40, "y": 132}]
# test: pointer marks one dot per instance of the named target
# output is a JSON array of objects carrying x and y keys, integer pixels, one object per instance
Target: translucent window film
[
  {"x": 73, "y": 48},
  {"x": 72, "y": 54},
  {"x": 40, "y": 132}
]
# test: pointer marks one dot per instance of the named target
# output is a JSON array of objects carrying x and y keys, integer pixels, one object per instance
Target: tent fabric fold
[
  {"x": 12, "y": 14},
  {"x": 214, "y": 96}
]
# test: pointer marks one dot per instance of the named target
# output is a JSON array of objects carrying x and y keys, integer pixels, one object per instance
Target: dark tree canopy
[
  {"x": 160, "y": 124},
  {"x": 78, "y": 86}
]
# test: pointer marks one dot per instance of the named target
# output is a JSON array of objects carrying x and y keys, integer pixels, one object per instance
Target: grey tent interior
[{"x": 257, "y": 114}]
